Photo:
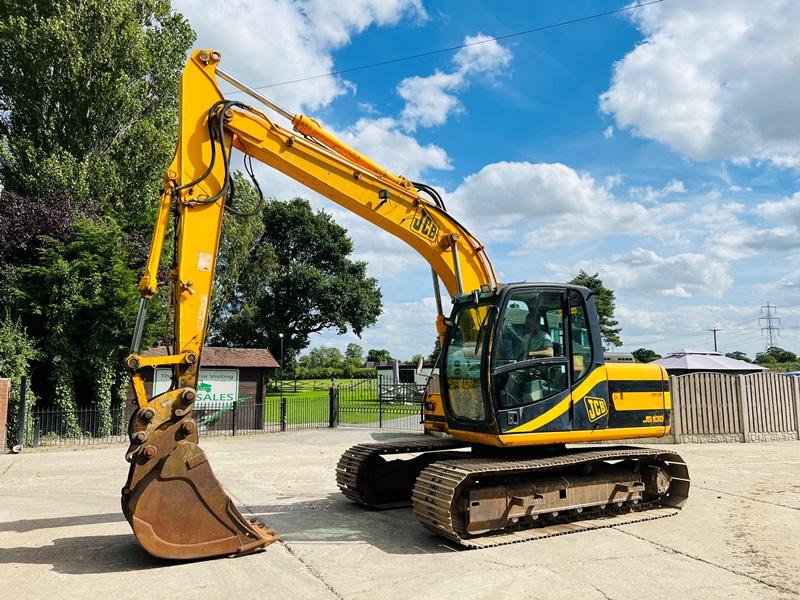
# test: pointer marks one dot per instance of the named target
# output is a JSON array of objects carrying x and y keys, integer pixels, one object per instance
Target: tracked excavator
[{"x": 521, "y": 371}]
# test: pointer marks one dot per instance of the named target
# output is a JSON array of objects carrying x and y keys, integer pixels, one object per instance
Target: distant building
[
  {"x": 700, "y": 360},
  {"x": 226, "y": 374}
]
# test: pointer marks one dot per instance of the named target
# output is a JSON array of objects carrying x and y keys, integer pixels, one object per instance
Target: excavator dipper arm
[{"x": 175, "y": 505}]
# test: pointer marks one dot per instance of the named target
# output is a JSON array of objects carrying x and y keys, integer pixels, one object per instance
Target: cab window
[
  {"x": 463, "y": 362},
  {"x": 532, "y": 327}
]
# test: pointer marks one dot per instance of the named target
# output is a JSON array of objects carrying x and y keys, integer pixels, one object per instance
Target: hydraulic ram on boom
[{"x": 501, "y": 386}]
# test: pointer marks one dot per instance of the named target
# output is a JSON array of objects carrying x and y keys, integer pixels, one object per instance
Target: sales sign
[{"x": 215, "y": 386}]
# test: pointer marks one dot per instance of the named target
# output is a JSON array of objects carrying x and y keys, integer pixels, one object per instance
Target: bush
[
  {"x": 346, "y": 372},
  {"x": 17, "y": 350}
]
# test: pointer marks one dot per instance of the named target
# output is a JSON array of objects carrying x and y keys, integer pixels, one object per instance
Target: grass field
[
  {"x": 318, "y": 388},
  {"x": 305, "y": 410}
]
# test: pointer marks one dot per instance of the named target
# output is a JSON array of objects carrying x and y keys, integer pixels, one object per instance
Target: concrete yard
[{"x": 62, "y": 534}]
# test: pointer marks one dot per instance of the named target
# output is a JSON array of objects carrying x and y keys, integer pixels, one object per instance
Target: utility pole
[
  {"x": 715, "y": 330},
  {"x": 770, "y": 324}
]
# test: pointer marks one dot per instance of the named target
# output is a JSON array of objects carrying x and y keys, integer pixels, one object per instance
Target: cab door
[
  {"x": 590, "y": 394},
  {"x": 530, "y": 363}
]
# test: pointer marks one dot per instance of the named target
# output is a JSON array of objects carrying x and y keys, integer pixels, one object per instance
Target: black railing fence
[
  {"x": 367, "y": 404},
  {"x": 57, "y": 427}
]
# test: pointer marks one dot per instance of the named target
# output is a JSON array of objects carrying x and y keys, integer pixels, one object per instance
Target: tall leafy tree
[
  {"x": 774, "y": 354},
  {"x": 354, "y": 354},
  {"x": 79, "y": 301},
  {"x": 296, "y": 278},
  {"x": 437, "y": 349},
  {"x": 604, "y": 300},
  {"x": 379, "y": 356},
  {"x": 88, "y": 121},
  {"x": 88, "y": 98}
]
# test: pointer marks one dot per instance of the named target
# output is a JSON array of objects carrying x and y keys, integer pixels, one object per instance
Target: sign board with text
[{"x": 215, "y": 386}]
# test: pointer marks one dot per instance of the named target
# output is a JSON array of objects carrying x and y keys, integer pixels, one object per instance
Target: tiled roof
[{"x": 228, "y": 357}]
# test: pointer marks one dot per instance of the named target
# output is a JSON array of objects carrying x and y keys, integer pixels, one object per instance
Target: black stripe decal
[{"x": 655, "y": 385}]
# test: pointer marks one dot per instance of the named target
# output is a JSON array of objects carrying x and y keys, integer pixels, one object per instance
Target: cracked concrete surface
[{"x": 62, "y": 534}]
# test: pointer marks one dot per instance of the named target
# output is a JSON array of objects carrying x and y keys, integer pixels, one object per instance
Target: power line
[
  {"x": 458, "y": 47},
  {"x": 702, "y": 332}
]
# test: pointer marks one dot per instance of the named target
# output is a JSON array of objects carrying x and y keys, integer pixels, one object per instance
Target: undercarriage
[{"x": 480, "y": 498}]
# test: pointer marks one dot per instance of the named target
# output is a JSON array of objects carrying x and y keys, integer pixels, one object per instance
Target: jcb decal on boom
[
  {"x": 424, "y": 224},
  {"x": 596, "y": 408}
]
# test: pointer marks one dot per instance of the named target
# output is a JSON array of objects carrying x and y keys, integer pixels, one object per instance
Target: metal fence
[
  {"x": 84, "y": 426},
  {"x": 365, "y": 404}
]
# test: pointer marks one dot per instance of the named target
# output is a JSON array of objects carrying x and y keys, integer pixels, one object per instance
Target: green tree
[
  {"x": 296, "y": 278},
  {"x": 738, "y": 355},
  {"x": 604, "y": 300},
  {"x": 88, "y": 100},
  {"x": 322, "y": 357},
  {"x": 774, "y": 354},
  {"x": 437, "y": 348},
  {"x": 88, "y": 121},
  {"x": 645, "y": 355},
  {"x": 17, "y": 351},
  {"x": 354, "y": 354},
  {"x": 379, "y": 356},
  {"x": 78, "y": 298},
  {"x": 414, "y": 360}
]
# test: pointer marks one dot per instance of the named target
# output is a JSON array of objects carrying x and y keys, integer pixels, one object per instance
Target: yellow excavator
[{"x": 521, "y": 371}]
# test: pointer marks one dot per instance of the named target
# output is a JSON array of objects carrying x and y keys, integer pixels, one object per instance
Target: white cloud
[
  {"x": 383, "y": 142},
  {"x": 751, "y": 241},
  {"x": 280, "y": 40},
  {"x": 713, "y": 80},
  {"x": 649, "y": 194},
  {"x": 608, "y": 132},
  {"x": 668, "y": 329},
  {"x": 784, "y": 210},
  {"x": 545, "y": 205},
  {"x": 645, "y": 273},
  {"x": 431, "y": 100},
  {"x": 404, "y": 328}
]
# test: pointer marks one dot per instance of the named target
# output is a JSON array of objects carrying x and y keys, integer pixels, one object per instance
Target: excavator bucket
[{"x": 172, "y": 500}]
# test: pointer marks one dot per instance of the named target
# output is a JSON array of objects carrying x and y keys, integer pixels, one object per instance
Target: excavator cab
[{"x": 512, "y": 354}]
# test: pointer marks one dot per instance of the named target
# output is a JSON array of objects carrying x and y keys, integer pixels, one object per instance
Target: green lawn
[
  {"x": 314, "y": 388},
  {"x": 314, "y": 409}
]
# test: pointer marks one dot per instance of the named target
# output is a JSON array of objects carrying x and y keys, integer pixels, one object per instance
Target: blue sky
[{"x": 660, "y": 147}]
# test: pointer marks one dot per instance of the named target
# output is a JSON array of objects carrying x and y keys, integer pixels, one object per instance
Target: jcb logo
[
  {"x": 424, "y": 224},
  {"x": 596, "y": 408}
]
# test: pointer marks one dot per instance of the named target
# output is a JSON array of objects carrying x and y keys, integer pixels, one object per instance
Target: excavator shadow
[
  {"x": 24, "y": 525},
  {"x": 335, "y": 519},
  {"x": 86, "y": 554}
]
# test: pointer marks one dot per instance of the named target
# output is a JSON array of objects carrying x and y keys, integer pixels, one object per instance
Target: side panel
[
  {"x": 614, "y": 401},
  {"x": 639, "y": 395}
]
